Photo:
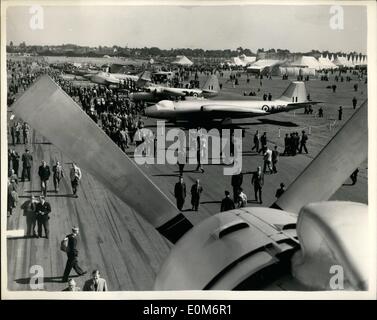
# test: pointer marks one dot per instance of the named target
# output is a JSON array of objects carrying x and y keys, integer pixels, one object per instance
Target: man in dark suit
[
  {"x": 354, "y": 176},
  {"x": 44, "y": 175},
  {"x": 280, "y": 191},
  {"x": 196, "y": 191},
  {"x": 72, "y": 254},
  {"x": 258, "y": 180},
  {"x": 29, "y": 208},
  {"x": 57, "y": 169},
  {"x": 340, "y": 113},
  {"x": 227, "y": 203},
  {"x": 13, "y": 133},
  {"x": 263, "y": 140},
  {"x": 236, "y": 184},
  {"x": 199, "y": 154},
  {"x": 180, "y": 193},
  {"x": 304, "y": 138},
  {"x": 15, "y": 158},
  {"x": 27, "y": 161},
  {"x": 43, "y": 209},
  {"x": 286, "y": 144},
  {"x": 256, "y": 142},
  {"x": 275, "y": 159}
]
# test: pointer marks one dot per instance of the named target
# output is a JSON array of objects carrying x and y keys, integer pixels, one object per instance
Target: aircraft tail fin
[
  {"x": 211, "y": 86},
  {"x": 296, "y": 92},
  {"x": 144, "y": 78}
]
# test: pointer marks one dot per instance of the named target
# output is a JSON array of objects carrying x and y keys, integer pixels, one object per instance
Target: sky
[{"x": 296, "y": 28}]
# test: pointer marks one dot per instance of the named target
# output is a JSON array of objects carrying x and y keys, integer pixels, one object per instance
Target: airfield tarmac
[{"x": 123, "y": 246}]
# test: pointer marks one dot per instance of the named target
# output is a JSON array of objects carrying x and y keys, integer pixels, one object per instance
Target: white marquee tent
[
  {"x": 325, "y": 63},
  {"x": 182, "y": 61},
  {"x": 305, "y": 66},
  {"x": 341, "y": 61},
  {"x": 307, "y": 62},
  {"x": 297, "y": 71}
]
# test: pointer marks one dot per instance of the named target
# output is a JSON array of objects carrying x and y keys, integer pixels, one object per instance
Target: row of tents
[
  {"x": 305, "y": 65},
  {"x": 323, "y": 62}
]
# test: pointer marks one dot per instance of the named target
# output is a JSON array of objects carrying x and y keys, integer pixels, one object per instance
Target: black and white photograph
[{"x": 188, "y": 148}]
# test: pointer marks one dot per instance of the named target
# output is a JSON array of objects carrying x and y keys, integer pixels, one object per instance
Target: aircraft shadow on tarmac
[
  {"x": 250, "y": 154},
  {"x": 45, "y": 279},
  {"x": 50, "y": 193},
  {"x": 278, "y": 123},
  {"x": 41, "y": 143},
  {"x": 252, "y": 201},
  {"x": 186, "y": 171},
  {"x": 210, "y": 202}
]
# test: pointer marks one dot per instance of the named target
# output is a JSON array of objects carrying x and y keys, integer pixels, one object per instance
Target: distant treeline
[{"x": 155, "y": 52}]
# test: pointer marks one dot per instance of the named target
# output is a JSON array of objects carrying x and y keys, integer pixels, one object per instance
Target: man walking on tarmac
[
  {"x": 75, "y": 176},
  {"x": 72, "y": 254}
]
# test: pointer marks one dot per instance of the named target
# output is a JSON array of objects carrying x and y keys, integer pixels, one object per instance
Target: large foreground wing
[
  {"x": 50, "y": 111},
  {"x": 333, "y": 165}
]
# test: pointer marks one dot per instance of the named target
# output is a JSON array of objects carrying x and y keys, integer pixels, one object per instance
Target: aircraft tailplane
[{"x": 296, "y": 92}]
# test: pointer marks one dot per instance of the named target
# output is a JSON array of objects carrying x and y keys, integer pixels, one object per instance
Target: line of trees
[{"x": 76, "y": 50}]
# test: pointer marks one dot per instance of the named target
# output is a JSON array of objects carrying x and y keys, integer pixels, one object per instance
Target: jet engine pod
[
  {"x": 334, "y": 246},
  {"x": 229, "y": 248}
]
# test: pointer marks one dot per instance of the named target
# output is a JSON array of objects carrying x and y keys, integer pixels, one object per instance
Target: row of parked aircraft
[
  {"x": 149, "y": 91},
  {"x": 194, "y": 105}
]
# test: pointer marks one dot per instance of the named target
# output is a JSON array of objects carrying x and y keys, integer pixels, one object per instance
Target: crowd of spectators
[{"x": 110, "y": 108}]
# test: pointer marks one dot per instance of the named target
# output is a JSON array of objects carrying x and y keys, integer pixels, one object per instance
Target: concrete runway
[{"x": 125, "y": 248}]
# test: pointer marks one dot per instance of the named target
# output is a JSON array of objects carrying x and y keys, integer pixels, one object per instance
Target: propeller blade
[
  {"x": 332, "y": 166},
  {"x": 50, "y": 111}
]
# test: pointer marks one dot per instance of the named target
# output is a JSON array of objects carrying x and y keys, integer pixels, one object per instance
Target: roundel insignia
[{"x": 266, "y": 108}]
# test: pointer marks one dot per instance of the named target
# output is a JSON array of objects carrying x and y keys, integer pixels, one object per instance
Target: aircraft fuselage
[{"x": 219, "y": 109}]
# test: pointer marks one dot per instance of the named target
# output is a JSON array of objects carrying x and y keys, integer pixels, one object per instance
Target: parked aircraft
[
  {"x": 155, "y": 93},
  {"x": 107, "y": 78},
  {"x": 294, "y": 97}
]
